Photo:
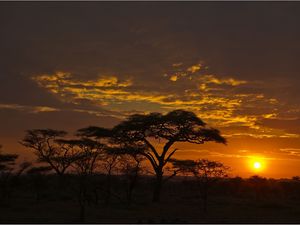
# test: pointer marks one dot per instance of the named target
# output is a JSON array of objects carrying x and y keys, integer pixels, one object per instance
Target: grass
[{"x": 177, "y": 206}]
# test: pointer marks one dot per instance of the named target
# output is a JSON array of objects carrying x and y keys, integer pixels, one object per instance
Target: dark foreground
[{"x": 54, "y": 200}]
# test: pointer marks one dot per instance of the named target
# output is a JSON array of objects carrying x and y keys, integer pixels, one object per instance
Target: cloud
[
  {"x": 220, "y": 101},
  {"x": 177, "y": 64},
  {"x": 194, "y": 68},
  {"x": 173, "y": 78},
  {"x": 30, "y": 109},
  {"x": 212, "y": 79}
]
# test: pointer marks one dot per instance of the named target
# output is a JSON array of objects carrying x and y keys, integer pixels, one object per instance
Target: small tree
[
  {"x": 87, "y": 151},
  {"x": 7, "y": 162},
  {"x": 109, "y": 164},
  {"x": 205, "y": 171},
  {"x": 175, "y": 126},
  {"x": 86, "y": 154},
  {"x": 47, "y": 149},
  {"x": 130, "y": 165},
  {"x": 107, "y": 161}
]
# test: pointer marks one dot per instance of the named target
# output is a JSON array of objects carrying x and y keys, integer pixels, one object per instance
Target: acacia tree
[
  {"x": 47, "y": 148},
  {"x": 175, "y": 126},
  {"x": 87, "y": 152},
  {"x": 130, "y": 166},
  {"x": 205, "y": 171},
  {"x": 99, "y": 137},
  {"x": 129, "y": 163}
]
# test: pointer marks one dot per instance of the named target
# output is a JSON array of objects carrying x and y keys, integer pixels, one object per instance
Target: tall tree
[{"x": 175, "y": 126}]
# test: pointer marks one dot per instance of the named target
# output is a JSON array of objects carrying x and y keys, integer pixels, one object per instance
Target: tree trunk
[
  {"x": 132, "y": 184},
  {"x": 82, "y": 198},
  {"x": 82, "y": 212},
  {"x": 205, "y": 196},
  {"x": 108, "y": 189},
  {"x": 157, "y": 188},
  {"x": 130, "y": 191}
]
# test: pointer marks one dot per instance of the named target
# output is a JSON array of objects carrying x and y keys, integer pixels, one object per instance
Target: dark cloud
[
  {"x": 15, "y": 122},
  {"x": 248, "y": 53}
]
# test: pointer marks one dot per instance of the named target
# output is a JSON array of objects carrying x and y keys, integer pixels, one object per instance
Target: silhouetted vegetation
[
  {"x": 176, "y": 126},
  {"x": 206, "y": 173},
  {"x": 113, "y": 175}
]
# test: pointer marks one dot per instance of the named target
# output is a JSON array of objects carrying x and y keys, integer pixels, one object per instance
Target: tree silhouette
[
  {"x": 175, "y": 126},
  {"x": 129, "y": 161},
  {"x": 48, "y": 149},
  {"x": 7, "y": 162},
  {"x": 108, "y": 161},
  {"x": 85, "y": 153},
  {"x": 99, "y": 133},
  {"x": 23, "y": 167},
  {"x": 131, "y": 169},
  {"x": 206, "y": 172},
  {"x": 258, "y": 184},
  {"x": 109, "y": 165}
]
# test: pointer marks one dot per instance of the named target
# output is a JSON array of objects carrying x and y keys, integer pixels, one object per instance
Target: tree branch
[
  {"x": 171, "y": 176},
  {"x": 151, "y": 147},
  {"x": 170, "y": 155},
  {"x": 166, "y": 148},
  {"x": 151, "y": 159}
]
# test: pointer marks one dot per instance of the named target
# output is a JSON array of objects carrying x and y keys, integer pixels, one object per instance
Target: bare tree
[
  {"x": 110, "y": 163},
  {"x": 86, "y": 154},
  {"x": 87, "y": 151},
  {"x": 130, "y": 165},
  {"x": 47, "y": 149},
  {"x": 109, "y": 160},
  {"x": 175, "y": 126}
]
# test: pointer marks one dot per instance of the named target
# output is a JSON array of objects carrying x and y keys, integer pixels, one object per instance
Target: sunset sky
[{"x": 235, "y": 64}]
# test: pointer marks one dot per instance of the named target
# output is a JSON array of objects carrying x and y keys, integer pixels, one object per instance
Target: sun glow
[{"x": 257, "y": 164}]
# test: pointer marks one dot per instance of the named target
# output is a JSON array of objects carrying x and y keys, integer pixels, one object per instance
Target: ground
[{"x": 180, "y": 203}]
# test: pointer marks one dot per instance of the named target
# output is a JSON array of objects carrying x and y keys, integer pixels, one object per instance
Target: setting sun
[{"x": 257, "y": 165}]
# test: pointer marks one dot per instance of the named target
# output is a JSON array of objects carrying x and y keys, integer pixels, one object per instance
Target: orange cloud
[{"x": 209, "y": 96}]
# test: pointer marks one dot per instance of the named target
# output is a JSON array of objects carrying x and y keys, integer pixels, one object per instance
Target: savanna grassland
[{"x": 50, "y": 199}]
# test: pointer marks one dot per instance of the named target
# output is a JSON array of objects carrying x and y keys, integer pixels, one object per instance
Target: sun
[{"x": 257, "y": 165}]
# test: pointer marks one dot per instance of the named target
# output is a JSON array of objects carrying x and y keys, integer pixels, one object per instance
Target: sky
[{"x": 68, "y": 65}]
